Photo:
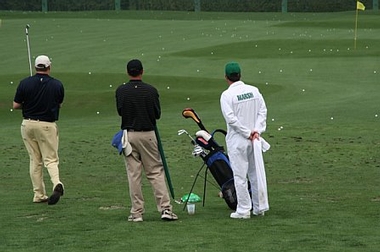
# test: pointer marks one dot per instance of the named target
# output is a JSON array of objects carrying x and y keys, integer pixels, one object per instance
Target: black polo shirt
[
  {"x": 40, "y": 96},
  {"x": 138, "y": 105}
]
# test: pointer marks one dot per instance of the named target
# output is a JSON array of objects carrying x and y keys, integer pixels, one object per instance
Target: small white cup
[{"x": 191, "y": 208}]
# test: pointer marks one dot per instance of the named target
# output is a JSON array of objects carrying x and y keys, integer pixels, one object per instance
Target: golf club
[
  {"x": 28, "y": 47},
  {"x": 182, "y": 131}
]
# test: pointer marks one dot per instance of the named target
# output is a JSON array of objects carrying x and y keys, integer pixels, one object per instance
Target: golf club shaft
[{"x": 28, "y": 48}]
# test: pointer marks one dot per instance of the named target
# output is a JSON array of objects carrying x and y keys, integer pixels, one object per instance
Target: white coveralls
[{"x": 244, "y": 110}]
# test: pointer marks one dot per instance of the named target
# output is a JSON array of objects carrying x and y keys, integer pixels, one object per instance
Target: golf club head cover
[
  {"x": 190, "y": 113},
  {"x": 204, "y": 134}
]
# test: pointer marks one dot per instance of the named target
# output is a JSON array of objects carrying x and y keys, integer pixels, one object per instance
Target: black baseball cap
[{"x": 134, "y": 67}]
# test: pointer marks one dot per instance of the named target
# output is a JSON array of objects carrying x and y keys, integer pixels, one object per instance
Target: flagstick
[{"x": 356, "y": 28}]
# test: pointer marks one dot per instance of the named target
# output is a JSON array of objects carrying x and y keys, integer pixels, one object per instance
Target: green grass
[{"x": 322, "y": 97}]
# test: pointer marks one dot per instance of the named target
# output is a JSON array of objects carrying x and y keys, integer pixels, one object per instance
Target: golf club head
[{"x": 181, "y": 131}]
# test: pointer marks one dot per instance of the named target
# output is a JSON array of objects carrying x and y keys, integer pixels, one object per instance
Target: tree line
[{"x": 185, "y": 5}]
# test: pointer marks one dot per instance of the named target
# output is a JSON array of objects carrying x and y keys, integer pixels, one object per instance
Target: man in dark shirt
[
  {"x": 139, "y": 107},
  {"x": 40, "y": 98}
]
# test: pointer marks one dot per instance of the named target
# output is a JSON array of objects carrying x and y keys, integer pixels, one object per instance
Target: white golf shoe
[{"x": 236, "y": 215}]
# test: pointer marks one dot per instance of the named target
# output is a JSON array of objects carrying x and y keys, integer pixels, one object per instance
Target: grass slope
[{"x": 322, "y": 97}]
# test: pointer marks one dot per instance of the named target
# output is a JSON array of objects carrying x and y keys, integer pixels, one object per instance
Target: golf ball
[
  {"x": 89, "y": 72},
  {"x": 168, "y": 88},
  {"x": 110, "y": 85},
  {"x": 332, "y": 118},
  {"x": 11, "y": 82},
  {"x": 376, "y": 115},
  {"x": 12, "y": 110},
  {"x": 188, "y": 98},
  {"x": 97, "y": 112}
]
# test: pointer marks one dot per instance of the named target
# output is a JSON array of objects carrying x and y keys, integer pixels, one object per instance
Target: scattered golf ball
[
  {"x": 332, "y": 118},
  {"x": 12, "y": 81},
  {"x": 89, "y": 72},
  {"x": 280, "y": 70},
  {"x": 373, "y": 72},
  {"x": 272, "y": 119},
  {"x": 303, "y": 90},
  {"x": 12, "y": 110},
  {"x": 188, "y": 98},
  {"x": 97, "y": 113},
  {"x": 376, "y": 115},
  {"x": 311, "y": 70},
  {"x": 197, "y": 70},
  {"x": 168, "y": 88},
  {"x": 110, "y": 85}
]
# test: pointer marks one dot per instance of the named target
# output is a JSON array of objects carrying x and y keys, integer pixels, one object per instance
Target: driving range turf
[{"x": 322, "y": 96}]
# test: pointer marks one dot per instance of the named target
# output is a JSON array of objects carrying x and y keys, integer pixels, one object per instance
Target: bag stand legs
[{"x": 204, "y": 186}]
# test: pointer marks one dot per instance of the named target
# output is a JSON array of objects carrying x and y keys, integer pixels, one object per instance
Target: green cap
[{"x": 232, "y": 68}]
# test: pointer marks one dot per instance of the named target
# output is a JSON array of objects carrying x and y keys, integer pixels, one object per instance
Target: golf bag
[{"x": 219, "y": 165}]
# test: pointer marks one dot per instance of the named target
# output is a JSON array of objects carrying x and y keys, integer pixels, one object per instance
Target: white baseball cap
[{"x": 42, "y": 61}]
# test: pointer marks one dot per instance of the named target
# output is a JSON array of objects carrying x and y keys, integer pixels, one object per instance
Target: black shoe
[
  {"x": 57, "y": 193},
  {"x": 168, "y": 215}
]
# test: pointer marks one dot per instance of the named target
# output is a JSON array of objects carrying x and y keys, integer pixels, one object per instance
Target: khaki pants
[
  {"x": 41, "y": 141},
  {"x": 146, "y": 156}
]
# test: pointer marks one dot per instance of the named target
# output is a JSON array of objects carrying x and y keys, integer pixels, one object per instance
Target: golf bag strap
[{"x": 220, "y": 131}]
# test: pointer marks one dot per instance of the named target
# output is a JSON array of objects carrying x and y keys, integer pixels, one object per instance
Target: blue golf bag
[{"x": 219, "y": 166}]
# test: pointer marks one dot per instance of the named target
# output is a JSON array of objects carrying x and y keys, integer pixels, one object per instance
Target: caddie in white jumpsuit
[{"x": 244, "y": 111}]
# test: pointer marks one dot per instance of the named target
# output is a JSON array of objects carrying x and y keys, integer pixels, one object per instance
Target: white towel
[
  {"x": 126, "y": 145},
  {"x": 260, "y": 146}
]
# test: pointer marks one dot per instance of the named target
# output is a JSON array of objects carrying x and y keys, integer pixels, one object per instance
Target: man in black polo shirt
[
  {"x": 139, "y": 107},
  {"x": 40, "y": 98}
]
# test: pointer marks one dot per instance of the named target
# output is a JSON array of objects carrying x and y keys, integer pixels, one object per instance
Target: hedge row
[{"x": 186, "y": 5}]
